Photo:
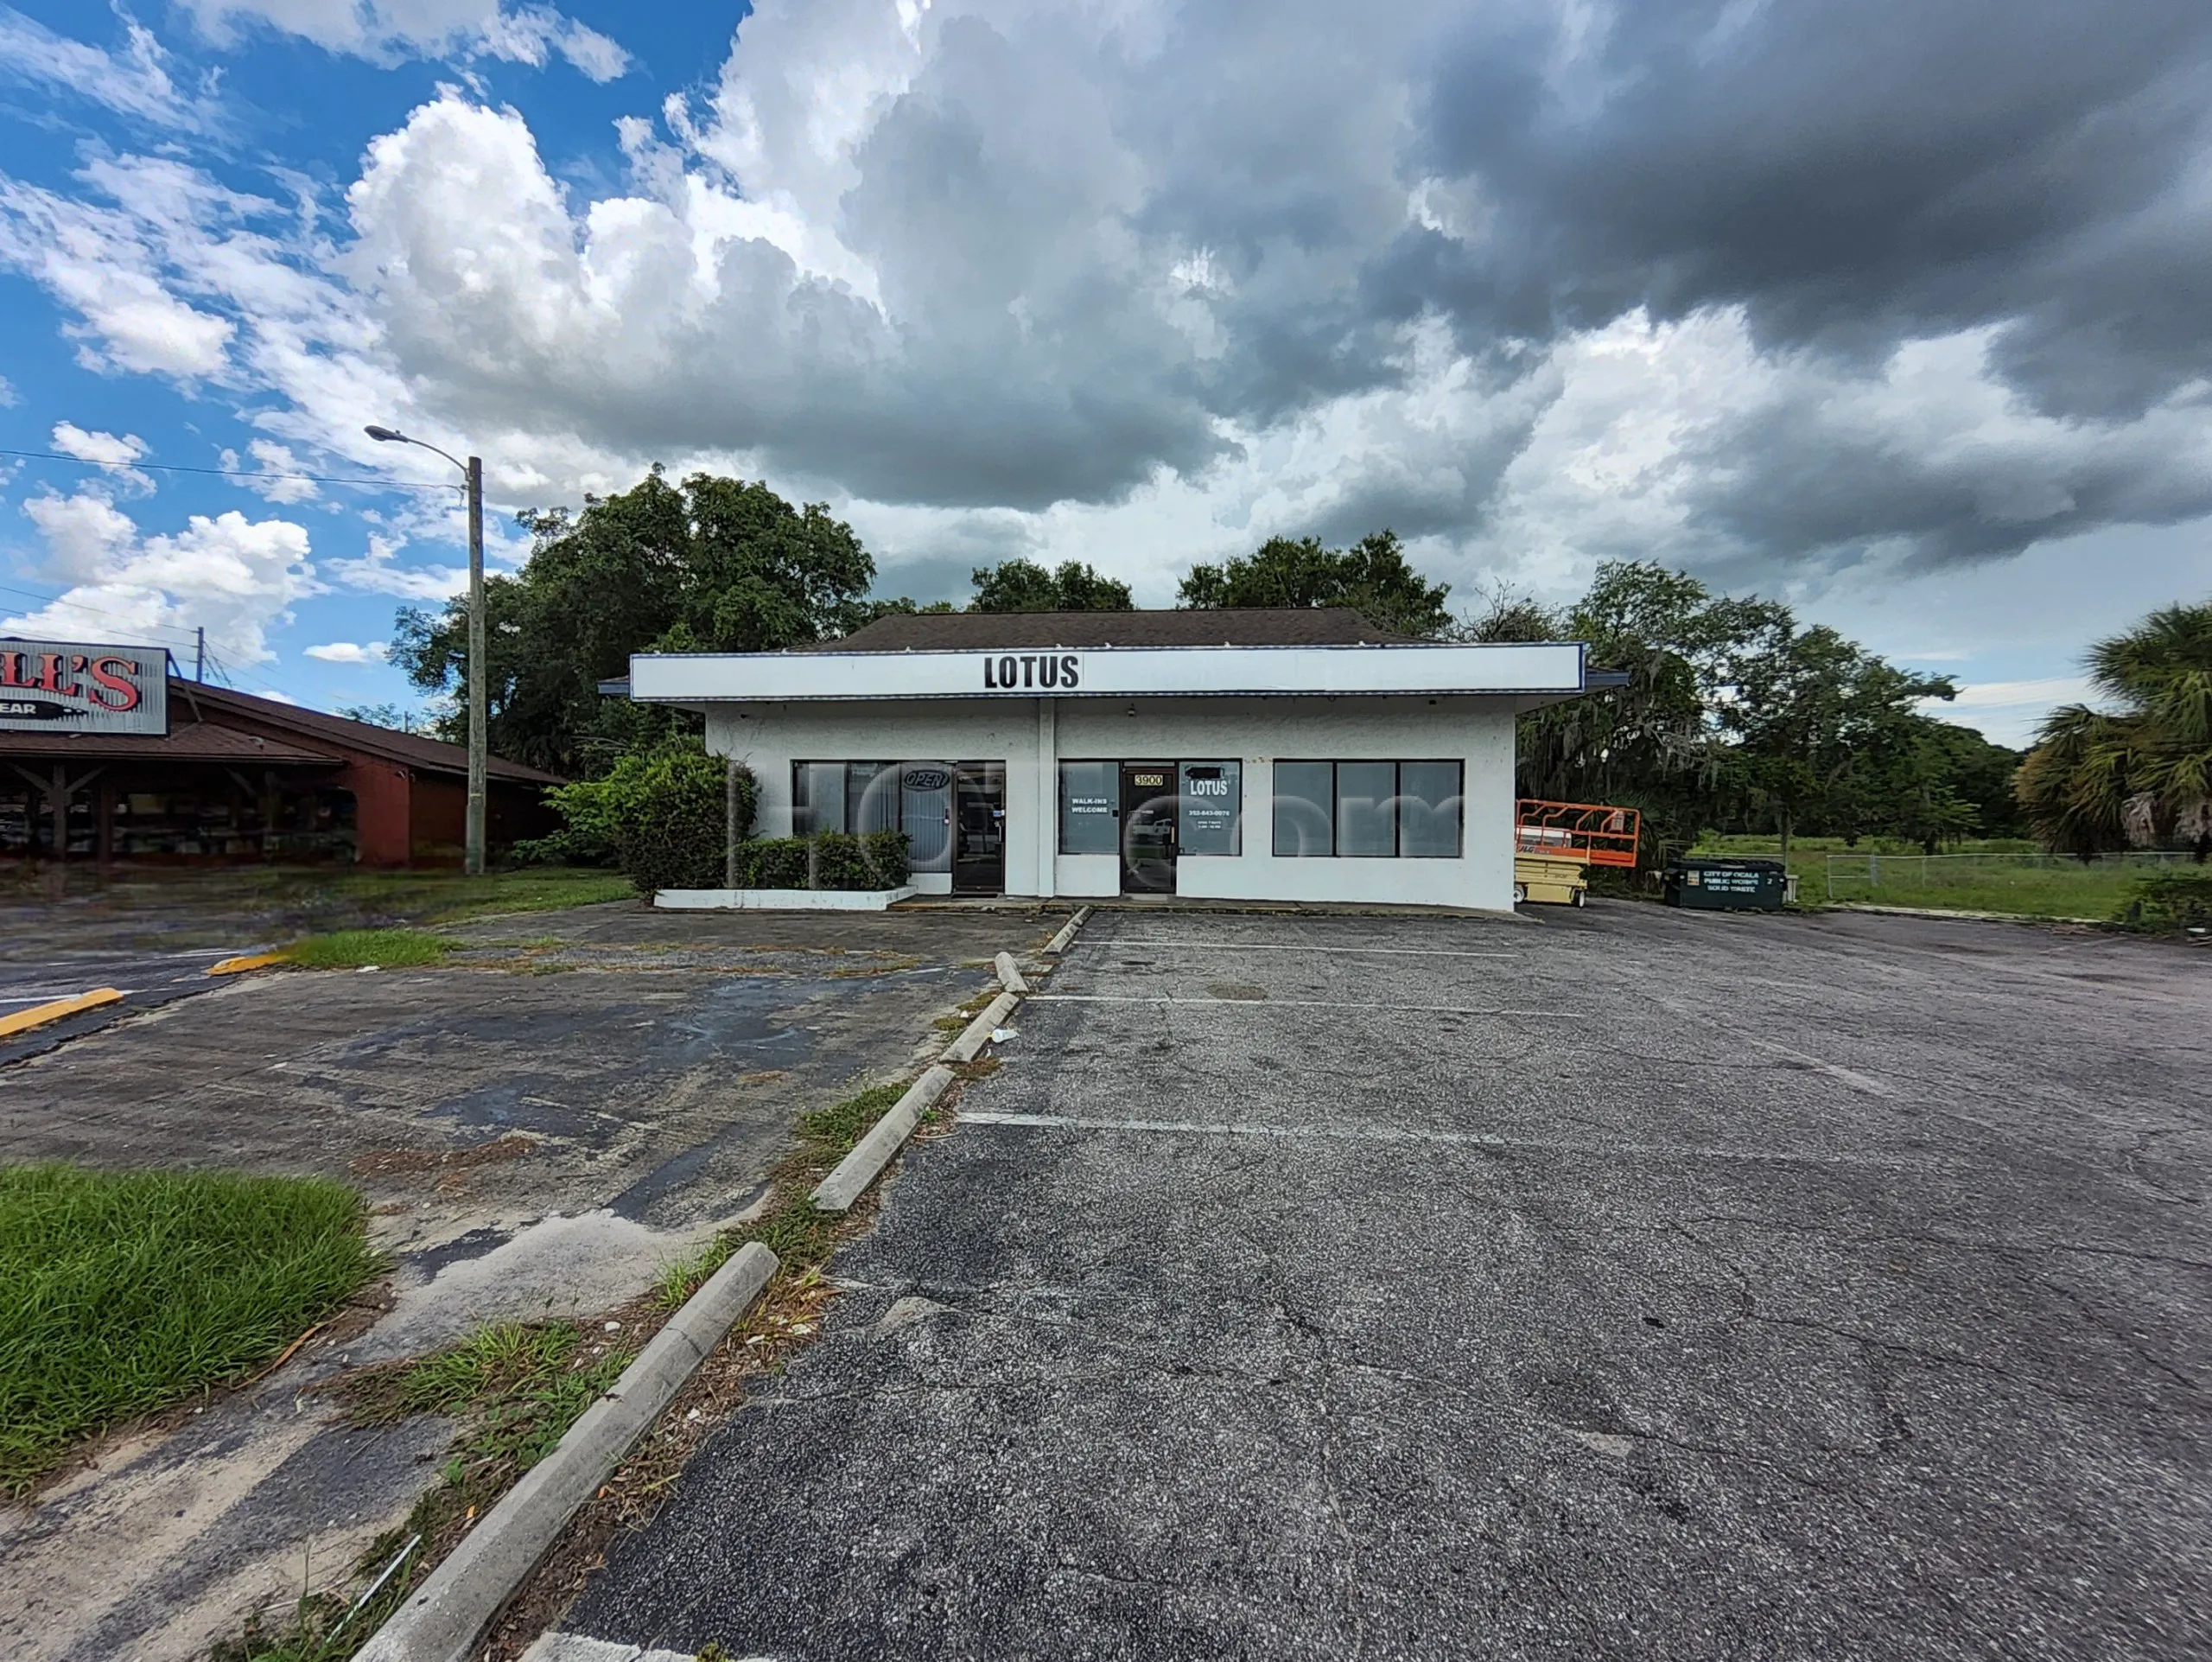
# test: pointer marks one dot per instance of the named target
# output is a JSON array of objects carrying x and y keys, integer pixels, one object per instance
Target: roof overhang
[{"x": 1542, "y": 670}]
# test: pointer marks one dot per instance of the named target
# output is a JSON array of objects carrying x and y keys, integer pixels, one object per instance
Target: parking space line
[
  {"x": 1331, "y": 949},
  {"x": 1385, "y": 1134},
  {"x": 1286, "y": 1003}
]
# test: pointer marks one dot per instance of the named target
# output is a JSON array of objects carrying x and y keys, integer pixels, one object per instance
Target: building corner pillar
[{"x": 1047, "y": 805}]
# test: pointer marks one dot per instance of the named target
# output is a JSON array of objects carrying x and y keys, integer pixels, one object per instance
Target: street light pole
[
  {"x": 472, "y": 853},
  {"x": 479, "y": 715}
]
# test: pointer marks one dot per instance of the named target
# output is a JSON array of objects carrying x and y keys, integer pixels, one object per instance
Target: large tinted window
[
  {"x": 1365, "y": 809},
  {"x": 870, "y": 796},
  {"x": 1368, "y": 809},
  {"x": 1091, "y": 808},
  {"x": 817, "y": 797},
  {"x": 1429, "y": 810},
  {"x": 1306, "y": 798},
  {"x": 1210, "y": 800},
  {"x": 925, "y": 814}
]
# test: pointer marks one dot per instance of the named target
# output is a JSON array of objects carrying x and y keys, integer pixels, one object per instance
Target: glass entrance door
[
  {"x": 1149, "y": 828},
  {"x": 979, "y": 828}
]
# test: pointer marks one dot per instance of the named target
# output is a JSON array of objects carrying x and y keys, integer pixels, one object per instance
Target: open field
[{"x": 2004, "y": 875}]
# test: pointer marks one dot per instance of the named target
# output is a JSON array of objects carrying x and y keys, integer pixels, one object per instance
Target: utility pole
[
  {"x": 473, "y": 856},
  {"x": 200, "y": 658},
  {"x": 479, "y": 715}
]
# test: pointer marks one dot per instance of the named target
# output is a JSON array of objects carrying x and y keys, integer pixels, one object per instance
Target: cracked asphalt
[{"x": 1627, "y": 1284}]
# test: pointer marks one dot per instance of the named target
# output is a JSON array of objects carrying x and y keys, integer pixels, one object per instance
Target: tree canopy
[
  {"x": 2142, "y": 773},
  {"x": 1372, "y": 576},
  {"x": 1025, "y": 586},
  {"x": 712, "y": 564}
]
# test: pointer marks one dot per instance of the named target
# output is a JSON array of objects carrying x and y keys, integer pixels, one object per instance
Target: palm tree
[{"x": 2143, "y": 774}]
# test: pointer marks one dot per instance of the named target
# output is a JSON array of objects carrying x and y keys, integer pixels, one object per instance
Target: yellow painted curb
[
  {"x": 250, "y": 961},
  {"x": 39, "y": 1014}
]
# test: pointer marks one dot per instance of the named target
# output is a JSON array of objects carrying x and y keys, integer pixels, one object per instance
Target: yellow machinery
[{"x": 1556, "y": 843}]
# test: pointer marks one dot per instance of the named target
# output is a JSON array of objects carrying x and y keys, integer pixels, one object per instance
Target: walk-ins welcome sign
[{"x": 60, "y": 687}]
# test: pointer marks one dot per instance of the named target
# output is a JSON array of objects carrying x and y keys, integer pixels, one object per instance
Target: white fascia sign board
[
  {"x": 62, "y": 687},
  {"x": 1107, "y": 672}
]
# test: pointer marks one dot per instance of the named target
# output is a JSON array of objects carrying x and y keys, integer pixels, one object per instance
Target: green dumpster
[{"x": 1719, "y": 885}]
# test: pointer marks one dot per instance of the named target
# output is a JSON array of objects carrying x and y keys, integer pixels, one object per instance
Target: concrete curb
[
  {"x": 1972, "y": 916},
  {"x": 845, "y": 1185},
  {"x": 1060, "y": 942},
  {"x": 244, "y": 962},
  {"x": 440, "y": 1620},
  {"x": 58, "y": 1010},
  {"x": 837, "y": 1192},
  {"x": 978, "y": 1033}
]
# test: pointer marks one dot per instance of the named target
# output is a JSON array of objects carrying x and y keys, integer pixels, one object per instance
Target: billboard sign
[{"x": 57, "y": 687}]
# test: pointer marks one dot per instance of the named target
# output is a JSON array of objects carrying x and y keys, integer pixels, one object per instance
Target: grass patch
[
  {"x": 450, "y": 896},
  {"x": 1995, "y": 875},
  {"x": 124, "y": 1293},
  {"x": 516, "y": 1388},
  {"x": 363, "y": 949}
]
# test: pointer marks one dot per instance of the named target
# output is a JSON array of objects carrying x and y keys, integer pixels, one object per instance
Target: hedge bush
[
  {"x": 2170, "y": 902},
  {"x": 830, "y": 860},
  {"x": 665, "y": 814}
]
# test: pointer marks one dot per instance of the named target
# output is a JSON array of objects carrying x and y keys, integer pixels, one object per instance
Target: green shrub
[
  {"x": 827, "y": 860},
  {"x": 773, "y": 862},
  {"x": 663, "y": 813},
  {"x": 2170, "y": 902}
]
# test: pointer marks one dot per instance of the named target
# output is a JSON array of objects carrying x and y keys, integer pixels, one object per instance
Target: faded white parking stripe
[
  {"x": 1331, "y": 949},
  {"x": 1461, "y": 1139},
  {"x": 1285, "y": 1003}
]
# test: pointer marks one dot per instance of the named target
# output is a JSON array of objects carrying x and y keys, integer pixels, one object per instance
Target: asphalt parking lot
[
  {"x": 1632, "y": 1283},
  {"x": 580, "y": 1098}
]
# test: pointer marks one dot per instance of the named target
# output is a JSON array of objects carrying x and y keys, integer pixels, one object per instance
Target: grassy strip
[
  {"x": 123, "y": 1293},
  {"x": 517, "y": 1389},
  {"x": 450, "y": 896},
  {"x": 369, "y": 949},
  {"x": 791, "y": 1225}
]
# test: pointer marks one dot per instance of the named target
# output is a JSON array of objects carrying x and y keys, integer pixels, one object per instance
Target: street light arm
[{"x": 393, "y": 435}]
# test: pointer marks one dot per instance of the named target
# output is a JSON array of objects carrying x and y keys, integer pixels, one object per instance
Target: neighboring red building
[{"x": 238, "y": 778}]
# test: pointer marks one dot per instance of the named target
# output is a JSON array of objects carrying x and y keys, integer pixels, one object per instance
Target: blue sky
[{"x": 1755, "y": 292}]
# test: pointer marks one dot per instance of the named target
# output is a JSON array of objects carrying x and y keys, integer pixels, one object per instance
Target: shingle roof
[
  {"x": 191, "y": 741},
  {"x": 413, "y": 748},
  {"x": 1330, "y": 626}
]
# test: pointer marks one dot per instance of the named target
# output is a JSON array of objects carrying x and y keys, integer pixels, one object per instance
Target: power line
[
  {"x": 223, "y": 473},
  {"x": 177, "y": 629}
]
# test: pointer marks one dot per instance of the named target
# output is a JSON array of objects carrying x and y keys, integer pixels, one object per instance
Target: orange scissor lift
[{"x": 1556, "y": 843}]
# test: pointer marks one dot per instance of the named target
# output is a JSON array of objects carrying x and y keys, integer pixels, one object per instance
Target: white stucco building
[{"x": 1296, "y": 755}]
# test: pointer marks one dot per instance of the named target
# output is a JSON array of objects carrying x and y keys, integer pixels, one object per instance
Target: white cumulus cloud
[
  {"x": 233, "y": 577},
  {"x": 348, "y": 652},
  {"x": 384, "y": 30}
]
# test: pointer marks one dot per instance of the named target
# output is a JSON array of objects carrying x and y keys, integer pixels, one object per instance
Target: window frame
[{"x": 1397, "y": 766}]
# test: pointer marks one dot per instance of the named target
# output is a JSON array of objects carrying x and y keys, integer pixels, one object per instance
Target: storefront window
[
  {"x": 871, "y": 797},
  {"x": 1210, "y": 800},
  {"x": 1368, "y": 809},
  {"x": 1429, "y": 810},
  {"x": 1365, "y": 808},
  {"x": 817, "y": 797},
  {"x": 1306, "y": 795},
  {"x": 925, "y": 814},
  {"x": 1090, "y": 807}
]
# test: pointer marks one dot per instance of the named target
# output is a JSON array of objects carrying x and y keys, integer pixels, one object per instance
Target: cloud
[
  {"x": 111, "y": 452},
  {"x": 385, "y": 30},
  {"x": 348, "y": 652},
  {"x": 1781, "y": 294},
  {"x": 134, "y": 82},
  {"x": 272, "y": 458},
  {"x": 378, "y": 572},
  {"x": 231, "y": 576}
]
